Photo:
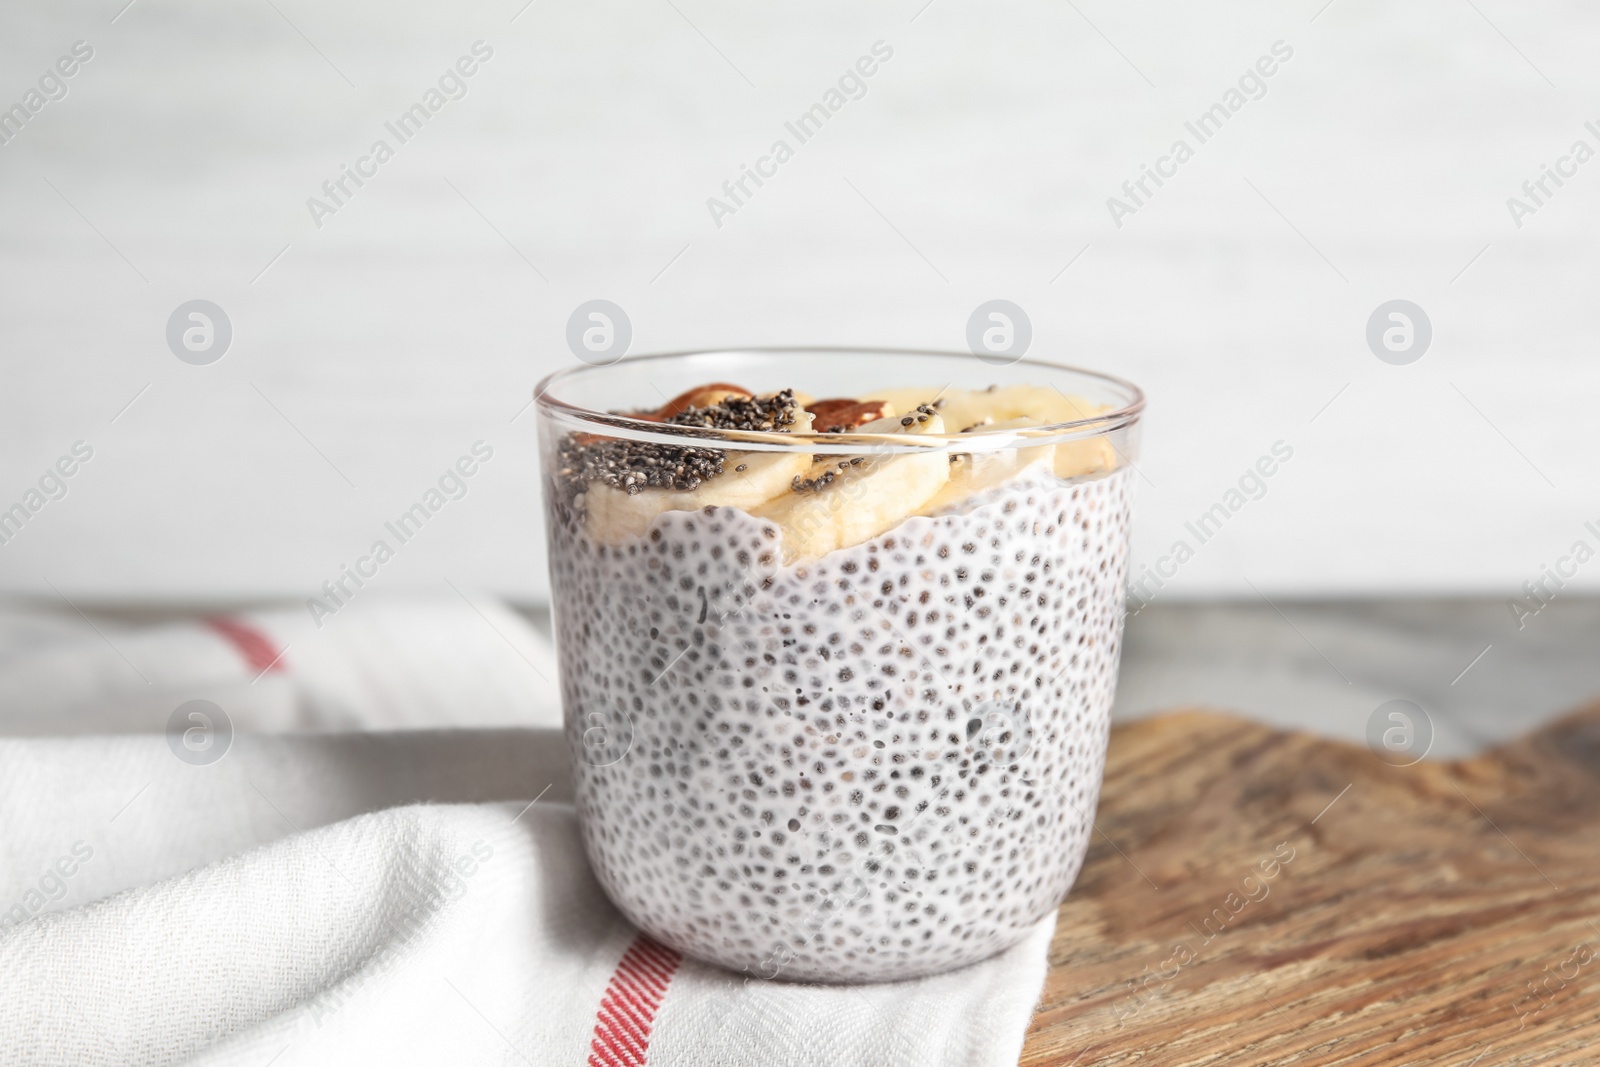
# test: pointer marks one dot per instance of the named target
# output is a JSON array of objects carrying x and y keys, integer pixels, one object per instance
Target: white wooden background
[{"x": 374, "y": 351}]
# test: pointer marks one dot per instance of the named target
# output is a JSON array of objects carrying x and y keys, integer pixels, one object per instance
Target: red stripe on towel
[
  {"x": 628, "y": 1009},
  {"x": 256, "y": 647}
]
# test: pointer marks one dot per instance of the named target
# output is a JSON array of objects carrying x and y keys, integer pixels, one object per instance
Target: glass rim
[{"x": 627, "y": 427}]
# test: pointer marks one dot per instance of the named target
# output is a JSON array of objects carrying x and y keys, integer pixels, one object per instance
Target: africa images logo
[
  {"x": 451, "y": 85},
  {"x": 852, "y": 85},
  {"x": 52, "y": 87},
  {"x": 1252, "y": 85}
]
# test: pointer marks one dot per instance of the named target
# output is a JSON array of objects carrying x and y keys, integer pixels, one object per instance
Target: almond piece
[
  {"x": 701, "y": 396},
  {"x": 840, "y": 414}
]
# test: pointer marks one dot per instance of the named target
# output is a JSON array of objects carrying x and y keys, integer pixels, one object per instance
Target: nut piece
[
  {"x": 839, "y": 415},
  {"x": 701, "y": 396}
]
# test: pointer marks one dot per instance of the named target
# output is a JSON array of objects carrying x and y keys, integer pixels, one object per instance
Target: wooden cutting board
[{"x": 1258, "y": 897}]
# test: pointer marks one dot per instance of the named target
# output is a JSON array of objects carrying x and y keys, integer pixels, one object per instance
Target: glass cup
[{"x": 852, "y": 734}]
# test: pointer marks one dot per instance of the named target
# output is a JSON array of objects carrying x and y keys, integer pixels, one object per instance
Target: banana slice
[
  {"x": 1092, "y": 455},
  {"x": 973, "y": 472},
  {"x": 845, "y": 500},
  {"x": 748, "y": 480},
  {"x": 909, "y": 398},
  {"x": 966, "y": 408}
]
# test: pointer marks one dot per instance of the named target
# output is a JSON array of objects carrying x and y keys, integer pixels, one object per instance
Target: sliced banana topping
[
  {"x": 824, "y": 502},
  {"x": 972, "y": 473},
  {"x": 967, "y": 408},
  {"x": 844, "y": 500},
  {"x": 747, "y": 480}
]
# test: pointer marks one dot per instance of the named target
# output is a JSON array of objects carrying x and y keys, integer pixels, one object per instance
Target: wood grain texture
[{"x": 1444, "y": 913}]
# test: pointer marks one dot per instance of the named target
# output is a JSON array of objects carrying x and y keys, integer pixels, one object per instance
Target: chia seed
[
  {"x": 811, "y": 485},
  {"x": 756, "y": 413},
  {"x": 634, "y": 466},
  {"x": 802, "y": 484},
  {"x": 795, "y": 687}
]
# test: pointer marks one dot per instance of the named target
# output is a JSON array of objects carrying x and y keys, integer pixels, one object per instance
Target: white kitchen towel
[
  {"x": 379, "y": 663},
  {"x": 389, "y": 897}
]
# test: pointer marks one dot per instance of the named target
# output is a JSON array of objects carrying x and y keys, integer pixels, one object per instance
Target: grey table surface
[{"x": 1327, "y": 666}]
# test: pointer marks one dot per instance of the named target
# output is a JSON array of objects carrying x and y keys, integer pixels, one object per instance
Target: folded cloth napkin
[
  {"x": 378, "y": 664},
  {"x": 395, "y": 897}
]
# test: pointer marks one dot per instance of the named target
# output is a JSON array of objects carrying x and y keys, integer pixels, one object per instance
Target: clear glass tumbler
[{"x": 848, "y": 725}]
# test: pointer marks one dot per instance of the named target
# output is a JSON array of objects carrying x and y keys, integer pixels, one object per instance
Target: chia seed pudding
[{"x": 854, "y": 730}]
